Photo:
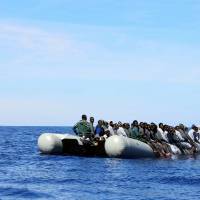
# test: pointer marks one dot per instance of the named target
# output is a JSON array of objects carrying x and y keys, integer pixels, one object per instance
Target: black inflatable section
[{"x": 72, "y": 147}]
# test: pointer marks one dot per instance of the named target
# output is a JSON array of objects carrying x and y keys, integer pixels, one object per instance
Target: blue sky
[{"x": 120, "y": 60}]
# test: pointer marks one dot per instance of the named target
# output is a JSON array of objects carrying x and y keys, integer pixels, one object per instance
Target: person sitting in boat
[
  {"x": 192, "y": 131},
  {"x": 105, "y": 125},
  {"x": 183, "y": 142},
  {"x": 111, "y": 128},
  {"x": 193, "y": 136},
  {"x": 134, "y": 130},
  {"x": 169, "y": 131},
  {"x": 162, "y": 137},
  {"x": 153, "y": 131},
  {"x": 165, "y": 133},
  {"x": 160, "y": 133},
  {"x": 82, "y": 128},
  {"x": 175, "y": 139},
  {"x": 106, "y": 130},
  {"x": 115, "y": 128},
  {"x": 197, "y": 137},
  {"x": 142, "y": 131},
  {"x": 146, "y": 133},
  {"x": 120, "y": 130},
  {"x": 183, "y": 131},
  {"x": 198, "y": 131},
  {"x": 141, "y": 128},
  {"x": 99, "y": 129},
  {"x": 149, "y": 137},
  {"x": 126, "y": 127},
  {"x": 159, "y": 149}
]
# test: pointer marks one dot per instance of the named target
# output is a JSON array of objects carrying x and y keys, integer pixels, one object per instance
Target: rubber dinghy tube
[
  {"x": 50, "y": 144},
  {"x": 124, "y": 147}
]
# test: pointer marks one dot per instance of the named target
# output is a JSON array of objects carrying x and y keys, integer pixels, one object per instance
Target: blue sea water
[{"x": 26, "y": 174}]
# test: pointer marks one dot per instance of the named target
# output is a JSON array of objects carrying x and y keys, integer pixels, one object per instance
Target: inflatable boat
[{"x": 114, "y": 146}]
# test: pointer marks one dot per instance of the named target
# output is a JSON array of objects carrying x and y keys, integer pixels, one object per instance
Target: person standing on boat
[
  {"x": 82, "y": 128},
  {"x": 92, "y": 125}
]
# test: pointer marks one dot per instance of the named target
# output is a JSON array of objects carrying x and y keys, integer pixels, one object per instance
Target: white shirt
[
  {"x": 199, "y": 133},
  {"x": 121, "y": 132},
  {"x": 191, "y": 134},
  {"x": 179, "y": 135},
  {"x": 110, "y": 128},
  {"x": 161, "y": 135},
  {"x": 165, "y": 135}
]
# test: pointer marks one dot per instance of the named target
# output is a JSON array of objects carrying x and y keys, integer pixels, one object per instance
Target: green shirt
[
  {"x": 135, "y": 132},
  {"x": 83, "y": 128}
]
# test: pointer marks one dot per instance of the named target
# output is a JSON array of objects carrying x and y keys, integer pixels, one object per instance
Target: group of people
[{"x": 164, "y": 139}]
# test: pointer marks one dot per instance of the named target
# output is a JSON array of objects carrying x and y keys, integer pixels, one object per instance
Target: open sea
[{"x": 26, "y": 174}]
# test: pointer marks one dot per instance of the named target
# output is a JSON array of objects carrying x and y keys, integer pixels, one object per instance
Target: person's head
[
  {"x": 154, "y": 127},
  {"x": 92, "y": 120},
  {"x": 120, "y": 124},
  {"x": 135, "y": 123},
  {"x": 145, "y": 125},
  {"x": 106, "y": 124},
  {"x": 161, "y": 125},
  {"x": 84, "y": 117},
  {"x": 111, "y": 123},
  {"x": 141, "y": 124},
  {"x": 116, "y": 126},
  {"x": 128, "y": 125},
  {"x": 149, "y": 127},
  {"x": 194, "y": 127},
  {"x": 165, "y": 127},
  {"x": 100, "y": 123},
  {"x": 172, "y": 129},
  {"x": 177, "y": 128},
  {"x": 181, "y": 126}
]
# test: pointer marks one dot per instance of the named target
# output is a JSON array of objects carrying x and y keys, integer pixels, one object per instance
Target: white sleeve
[{"x": 190, "y": 133}]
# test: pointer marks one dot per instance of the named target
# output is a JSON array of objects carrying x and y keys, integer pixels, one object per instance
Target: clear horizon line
[{"x": 3, "y": 125}]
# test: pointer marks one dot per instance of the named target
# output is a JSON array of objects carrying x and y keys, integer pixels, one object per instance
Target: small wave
[
  {"x": 17, "y": 193},
  {"x": 181, "y": 180}
]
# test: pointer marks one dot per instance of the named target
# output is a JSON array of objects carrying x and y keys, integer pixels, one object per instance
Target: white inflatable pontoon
[
  {"x": 119, "y": 146},
  {"x": 52, "y": 143}
]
